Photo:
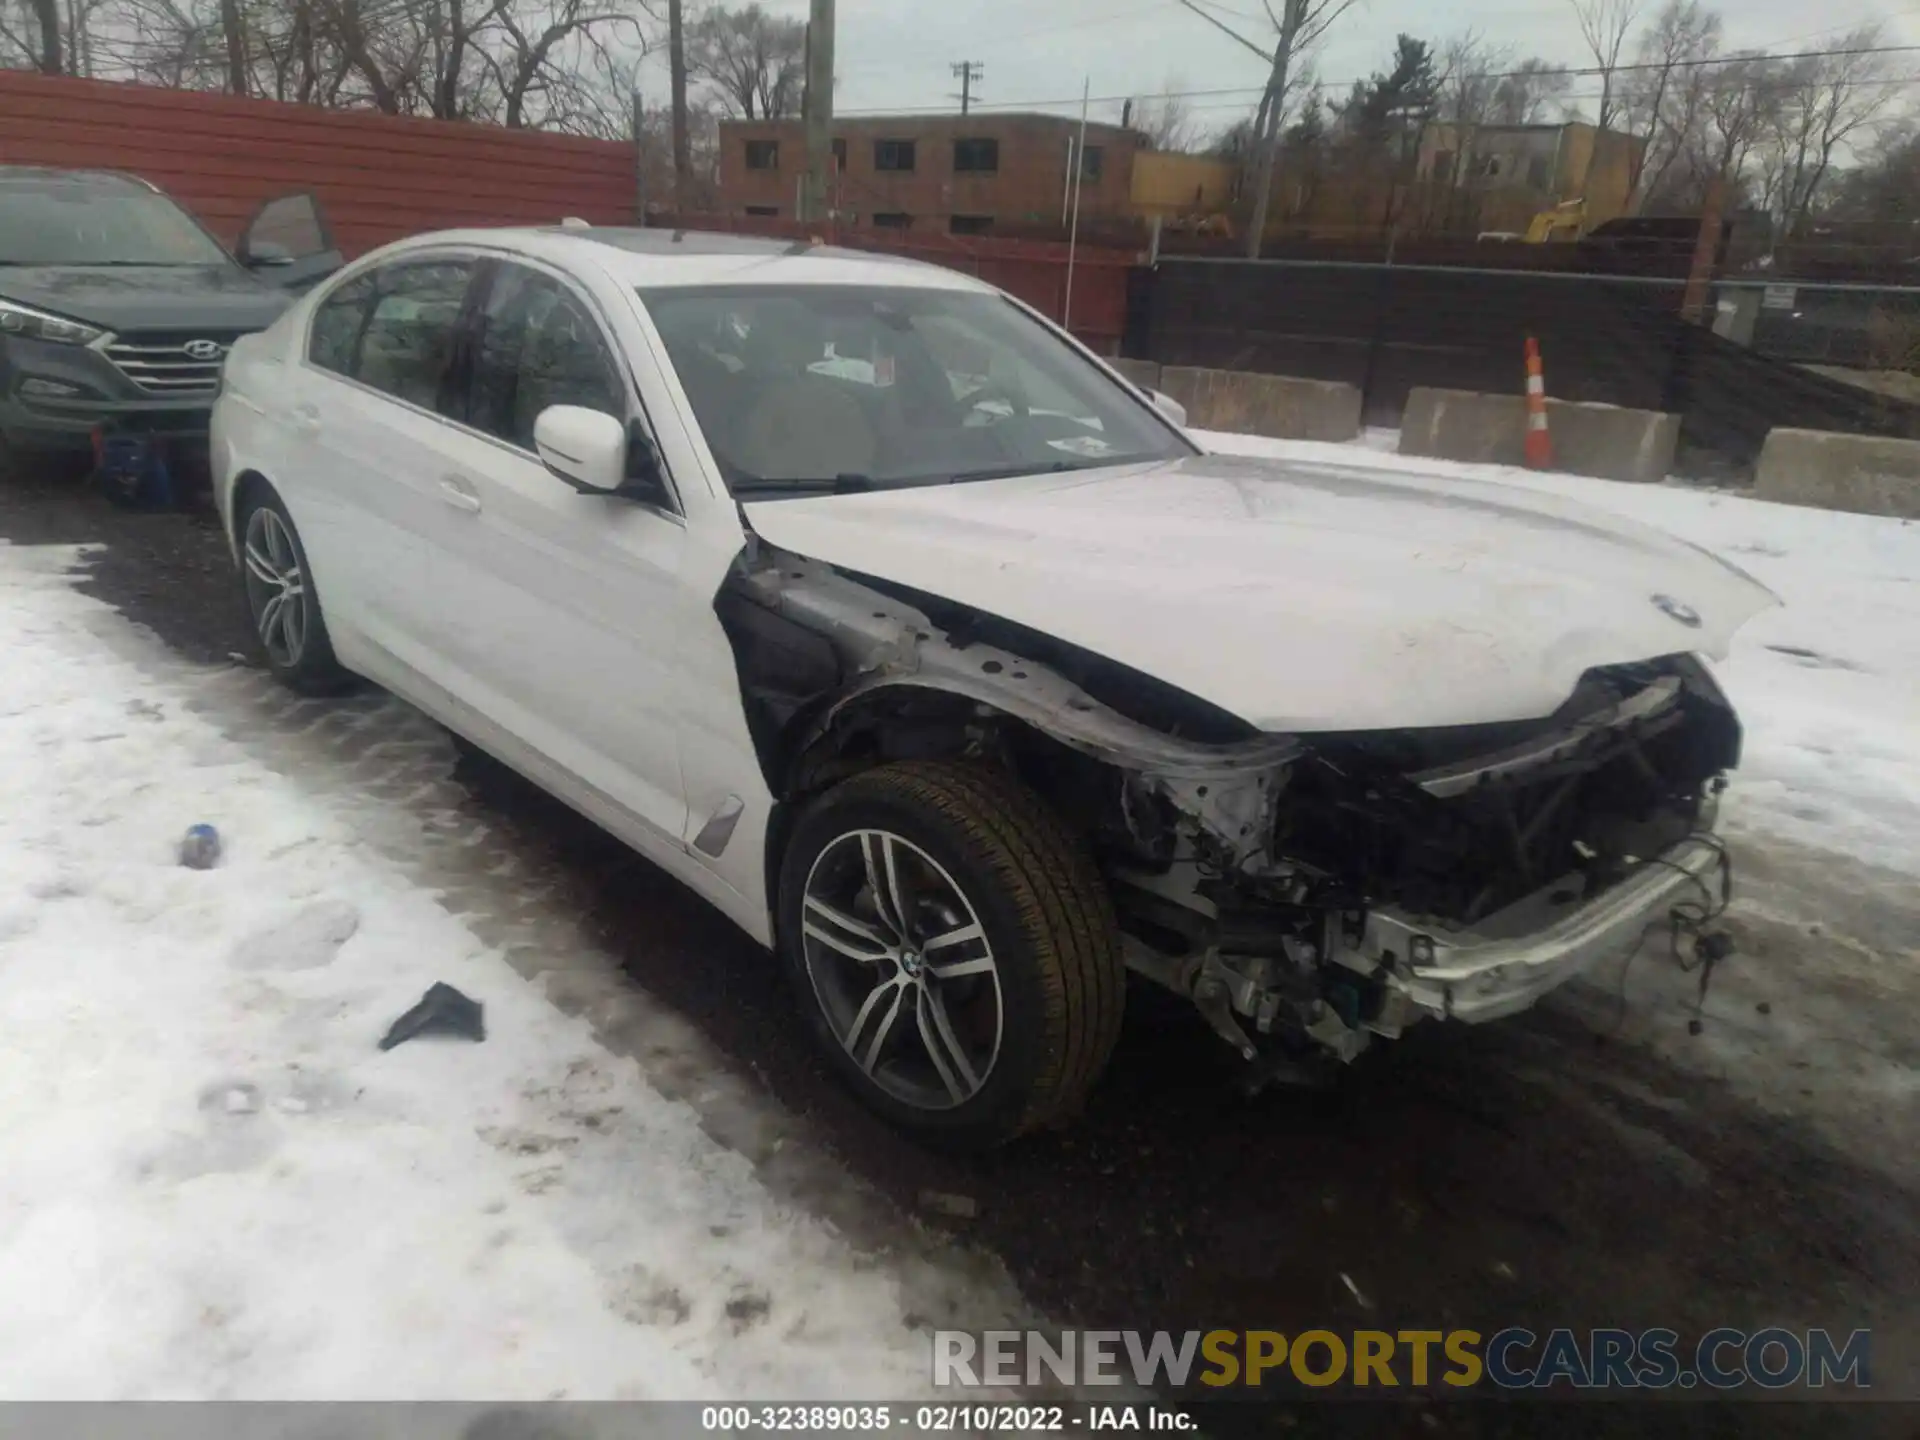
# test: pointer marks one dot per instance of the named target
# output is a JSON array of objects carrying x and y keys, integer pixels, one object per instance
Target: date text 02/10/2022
[{"x": 936, "y": 1419}]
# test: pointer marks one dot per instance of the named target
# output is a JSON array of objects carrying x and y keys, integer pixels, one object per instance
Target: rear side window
[
  {"x": 337, "y": 325},
  {"x": 395, "y": 328},
  {"x": 538, "y": 346}
]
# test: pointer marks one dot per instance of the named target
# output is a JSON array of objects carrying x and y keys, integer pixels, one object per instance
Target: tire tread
[
  {"x": 319, "y": 674},
  {"x": 1063, "y": 906}
]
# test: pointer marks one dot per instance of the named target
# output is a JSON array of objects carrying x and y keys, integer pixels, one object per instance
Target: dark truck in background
[{"x": 117, "y": 309}]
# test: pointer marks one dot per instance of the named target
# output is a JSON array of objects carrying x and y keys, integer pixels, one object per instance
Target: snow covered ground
[
  {"x": 213, "y": 1185},
  {"x": 1814, "y": 1018}
]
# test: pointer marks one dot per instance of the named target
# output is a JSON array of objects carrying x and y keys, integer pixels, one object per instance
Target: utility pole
[
  {"x": 233, "y": 32},
  {"x": 967, "y": 72},
  {"x": 1079, "y": 175},
  {"x": 639, "y": 158},
  {"x": 1706, "y": 253},
  {"x": 819, "y": 111},
  {"x": 1292, "y": 18},
  {"x": 677, "y": 71}
]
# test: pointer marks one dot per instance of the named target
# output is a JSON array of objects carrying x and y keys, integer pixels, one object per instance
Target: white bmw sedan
[{"x": 878, "y": 611}]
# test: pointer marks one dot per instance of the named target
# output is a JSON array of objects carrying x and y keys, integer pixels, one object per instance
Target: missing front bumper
[{"x": 1507, "y": 962}]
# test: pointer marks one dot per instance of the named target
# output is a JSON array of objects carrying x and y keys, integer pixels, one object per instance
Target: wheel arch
[{"x": 247, "y": 487}]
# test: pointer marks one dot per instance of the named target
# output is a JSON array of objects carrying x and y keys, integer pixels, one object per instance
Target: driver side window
[{"x": 537, "y": 346}]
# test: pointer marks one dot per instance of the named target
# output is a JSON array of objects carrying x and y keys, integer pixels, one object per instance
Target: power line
[
  {"x": 1241, "y": 105},
  {"x": 1862, "y": 24},
  {"x": 1228, "y": 30},
  {"x": 1104, "y": 22},
  {"x": 1569, "y": 71}
]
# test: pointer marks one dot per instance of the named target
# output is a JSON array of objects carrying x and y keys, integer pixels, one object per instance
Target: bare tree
[
  {"x": 1737, "y": 108},
  {"x": 233, "y": 33},
  {"x": 1825, "y": 104},
  {"x": 1604, "y": 26},
  {"x": 545, "y": 45},
  {"x": 698, "y": 188},
  {"x": 1524, "y": 95},
  {"x": 1467, "y": 94},
  {"x": 677, "y": 102},
  {"x": 40, "y": 38},
  {"x": 1882, "y": 186},
  {"x": 177, "y": 43},
  {"x": 19, "y": 48},
  {"x": 1663, "y": 97},
  {"x": 1300, "y": 25},
  {"x": 754, "y": 61},
  {"x": 1166, "y": 119}
]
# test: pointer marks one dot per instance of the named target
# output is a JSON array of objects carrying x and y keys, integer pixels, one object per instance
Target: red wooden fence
[
  {"x": 379, "y": 177},
  {"x": 383, "y": 177}
]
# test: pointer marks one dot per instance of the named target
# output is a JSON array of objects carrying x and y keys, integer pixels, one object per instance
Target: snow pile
[
  {"x": 1828, "y": 686},
  {"x": 213, "y": 1184}
]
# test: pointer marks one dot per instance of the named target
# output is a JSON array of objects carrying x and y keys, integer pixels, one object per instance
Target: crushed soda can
[{"x": 200, "y": 848}]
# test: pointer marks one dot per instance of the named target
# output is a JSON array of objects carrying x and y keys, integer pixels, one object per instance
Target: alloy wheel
[
  {"x": 276, "y": 587},
  {"x": 902, "y": 969}
]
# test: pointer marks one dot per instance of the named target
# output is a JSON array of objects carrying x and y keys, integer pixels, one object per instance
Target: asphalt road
[{"x": 1541, "y": 1172}]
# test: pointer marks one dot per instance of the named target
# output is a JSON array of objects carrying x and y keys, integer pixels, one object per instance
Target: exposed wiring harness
[{"x": 1691, "y": 918}]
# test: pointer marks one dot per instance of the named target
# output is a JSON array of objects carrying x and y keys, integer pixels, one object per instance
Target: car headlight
[{"x": 38, "y": 325}]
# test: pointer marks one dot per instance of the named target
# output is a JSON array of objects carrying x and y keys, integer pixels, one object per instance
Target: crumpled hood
[
  {"x": 1301, "y": 597},
  {"x": 123, "y": 298}
]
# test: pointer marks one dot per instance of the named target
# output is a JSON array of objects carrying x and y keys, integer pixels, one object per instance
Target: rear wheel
[
  {"x": 954, "y": 949},
  {"x": 281, "y": 600}
]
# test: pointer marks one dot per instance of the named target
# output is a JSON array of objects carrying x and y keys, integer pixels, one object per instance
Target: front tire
[
  {"x": 281, "y": 601},
  {"x": 954, "y": 950}
]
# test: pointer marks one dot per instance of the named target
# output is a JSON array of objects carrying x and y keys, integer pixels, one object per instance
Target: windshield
[
  {"x": 805, "y": 388},
  {"x": 72, "y": 223}
]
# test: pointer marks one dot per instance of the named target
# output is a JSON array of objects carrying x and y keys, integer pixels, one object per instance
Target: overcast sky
[{"x": 894, "y": 54}]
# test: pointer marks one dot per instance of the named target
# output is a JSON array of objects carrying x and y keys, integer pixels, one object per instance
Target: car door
[
  {"x": 368, "y": 463},
  {"x": 554, "y": 613}
]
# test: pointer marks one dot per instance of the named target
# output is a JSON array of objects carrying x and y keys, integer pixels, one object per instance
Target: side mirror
[
  {"x": 264, "y": 254},
  {"x": 1169, "y": 407},
  {"x": 288, "y": 237},
  {"x": 585, "y": 448}
]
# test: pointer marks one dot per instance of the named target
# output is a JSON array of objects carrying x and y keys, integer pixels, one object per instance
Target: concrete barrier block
[
  {"x": 1606, "y": 441},
  {"x": 1282, "y": 407},
  {"x": 1144, "y": 373},
  {"x": 1866, "y": 474}
]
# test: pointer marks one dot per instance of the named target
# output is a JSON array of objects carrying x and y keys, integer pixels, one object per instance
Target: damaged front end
[
  {"x": 1459, "y": 874},
  {"x": 1307, "y": 893}
]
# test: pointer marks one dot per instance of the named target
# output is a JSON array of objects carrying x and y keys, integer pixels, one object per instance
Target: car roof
[
  {"x": 663, "y": 258},
  {"x": 43, "y": 178}
]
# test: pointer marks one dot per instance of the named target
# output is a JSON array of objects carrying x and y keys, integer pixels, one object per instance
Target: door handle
[
  {"x": 306, "y": 422},
  {"x": 459, "y": 494}
]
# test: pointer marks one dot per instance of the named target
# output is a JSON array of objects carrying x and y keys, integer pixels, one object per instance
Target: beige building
[
  {"x": 962, "y": 174},
  {"x": 1169, "y": 184},
  {"x": 1498, "y": 177}
]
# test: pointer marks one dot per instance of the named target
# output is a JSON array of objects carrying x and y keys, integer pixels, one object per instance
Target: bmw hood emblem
[{"x": 1677, "y": 610}]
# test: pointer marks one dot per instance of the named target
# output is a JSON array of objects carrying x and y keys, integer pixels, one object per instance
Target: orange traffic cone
[{"x": 1539, "y": 440}]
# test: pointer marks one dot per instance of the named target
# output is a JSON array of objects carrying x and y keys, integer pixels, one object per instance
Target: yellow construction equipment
[{"x": 1567, "y": 221}]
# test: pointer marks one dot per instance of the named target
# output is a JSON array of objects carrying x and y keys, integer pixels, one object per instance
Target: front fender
[{"x": 890, "y": 645}]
